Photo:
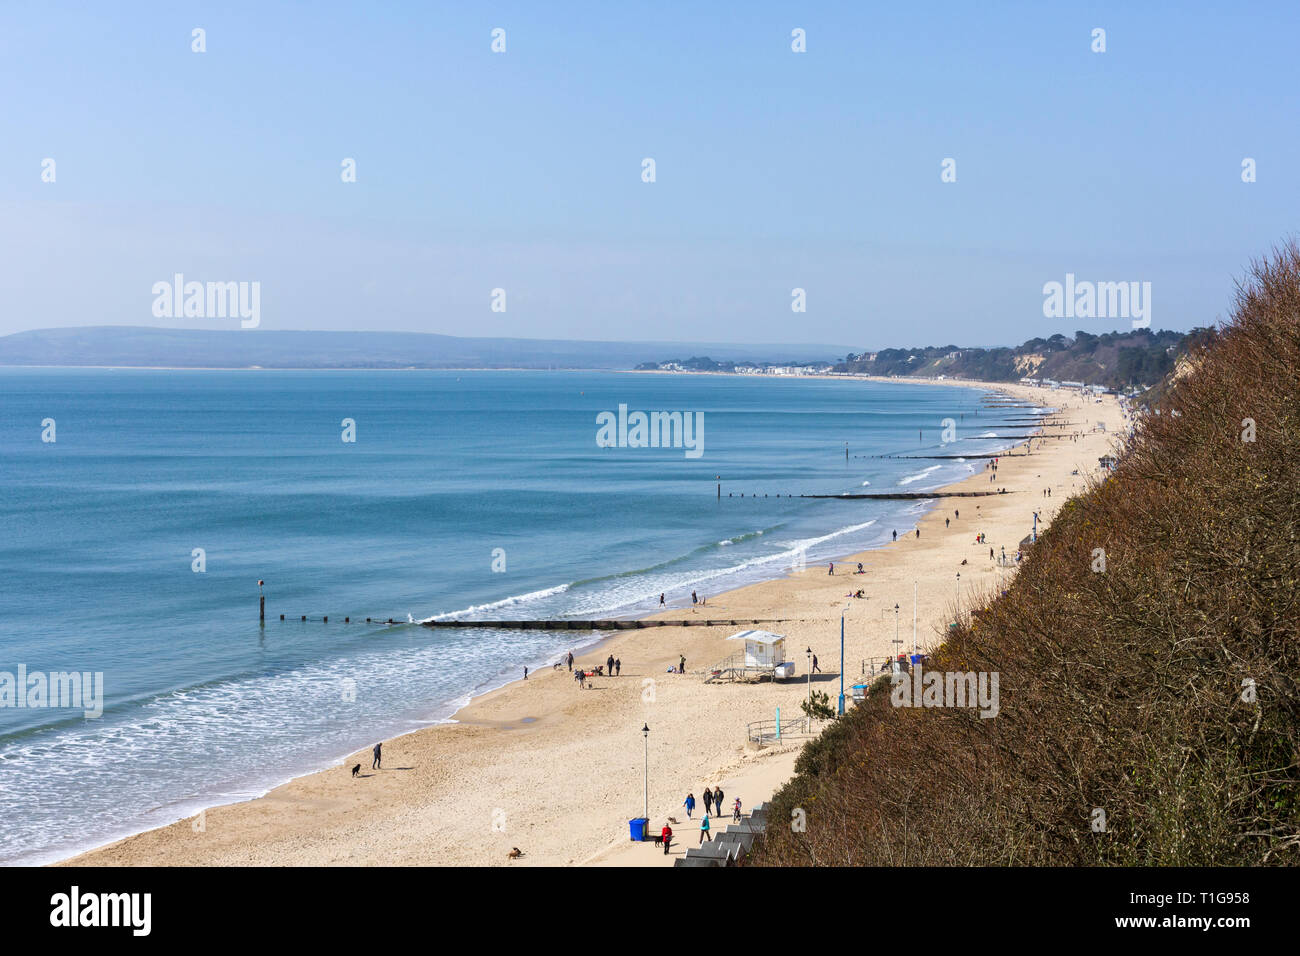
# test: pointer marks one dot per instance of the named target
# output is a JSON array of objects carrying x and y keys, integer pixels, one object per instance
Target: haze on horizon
[{"x": 522, "y": 170}]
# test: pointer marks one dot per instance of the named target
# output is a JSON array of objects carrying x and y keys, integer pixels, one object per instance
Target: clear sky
[{"x": 522, "y": 170}]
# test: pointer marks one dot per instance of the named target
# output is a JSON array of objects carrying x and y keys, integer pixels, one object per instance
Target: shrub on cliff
[{"x": 1148, "y": 655}]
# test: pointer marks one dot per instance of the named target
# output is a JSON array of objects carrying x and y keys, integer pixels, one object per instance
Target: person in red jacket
[{"x": 668, "y": 837}]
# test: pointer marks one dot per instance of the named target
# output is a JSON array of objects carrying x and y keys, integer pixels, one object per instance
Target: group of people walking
[{"x": 713, "y": 806}]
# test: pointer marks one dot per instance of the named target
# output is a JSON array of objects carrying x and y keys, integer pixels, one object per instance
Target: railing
[{"x": 771, "y": 732}]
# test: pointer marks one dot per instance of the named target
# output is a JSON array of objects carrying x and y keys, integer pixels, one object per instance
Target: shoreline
[{"x": 491, "y": 722}]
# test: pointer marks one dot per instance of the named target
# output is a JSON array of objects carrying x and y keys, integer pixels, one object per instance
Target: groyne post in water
[{"x": 261, "y": 605}]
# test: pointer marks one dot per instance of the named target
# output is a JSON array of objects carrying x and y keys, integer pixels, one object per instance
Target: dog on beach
[
  {"x": 356, "y": 770},
  {"x": 515, "y": 853}
]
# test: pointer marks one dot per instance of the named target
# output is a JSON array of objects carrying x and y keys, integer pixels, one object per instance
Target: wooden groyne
[
  {"x": 598, "y": 625},
  {"x": 916, "y": 495},
  {"x": 966, "y": 457},
  {"x": 1039, "y": 422}
]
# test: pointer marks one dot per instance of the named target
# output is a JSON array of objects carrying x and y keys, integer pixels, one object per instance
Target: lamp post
[
  {"x": 897, "y": 640},
  {"x": 808, "y": 719},
  {"x": 914, "y": 652},
  {"x": 958, "y": 592},
  {"x": 843, "y": 611},
  {"x": 645, "y": 732}
]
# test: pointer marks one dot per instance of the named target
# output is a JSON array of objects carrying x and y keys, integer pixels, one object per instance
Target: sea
[{"x": 144, "y": 514}]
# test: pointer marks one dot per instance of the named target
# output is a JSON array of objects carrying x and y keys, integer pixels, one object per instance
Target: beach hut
[{"x": 762, "y": 648}]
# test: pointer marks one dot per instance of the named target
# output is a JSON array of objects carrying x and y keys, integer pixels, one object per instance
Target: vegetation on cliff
[{"x": 1150, "y": 701}]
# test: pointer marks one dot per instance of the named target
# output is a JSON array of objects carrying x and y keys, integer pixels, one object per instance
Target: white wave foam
[
  {"x": 504, "y": 602},
  {"x": 919, "y": 475}
]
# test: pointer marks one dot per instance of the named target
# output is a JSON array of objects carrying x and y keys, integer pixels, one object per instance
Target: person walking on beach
[
  {"x": 990, "y": 554},
  {"x": 945, "y": 522},
  {"x": 956, "y": 513},
  {"x": 661, "y": 600},
  {"x": 708, "y": 801},
  {"x": 579, "y": 677},
  {"x": 895, "y": 535},
  {"x": 681, "y": 666},
  {"x": 570, "y": 658},
  {"x": 525, "y": 673},
  {"x": 689, "y": 804},
  {"x": 918, "y": 532},
  {"x": 618, "y": 666},
  {"x": 694, "y": 600},
  {"x": 609, "y": 665},
  {"x": 815, "y": 669},
  {"x": 378, "y": 752},
  {"x": 667, "y": 834},
  {"x": 717, "y": 801},
  {"x": 704, "y": 830},
  {"x": 832, "y": 568},
  {"x": 735, "y": 811}
]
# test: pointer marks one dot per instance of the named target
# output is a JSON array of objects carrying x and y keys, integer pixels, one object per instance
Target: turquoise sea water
[{"x": 450, "y": 473}]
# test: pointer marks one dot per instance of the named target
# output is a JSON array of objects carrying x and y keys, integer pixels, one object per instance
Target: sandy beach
[{"x": 557, "y": 771}]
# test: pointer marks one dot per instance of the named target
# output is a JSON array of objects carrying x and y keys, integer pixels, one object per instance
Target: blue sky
[{"x": 522, "y": 170}]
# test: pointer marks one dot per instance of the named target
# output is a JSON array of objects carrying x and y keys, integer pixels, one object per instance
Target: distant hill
[
  {"x": 137, "y": 346},
  {"x": 1113, "y": 359}
]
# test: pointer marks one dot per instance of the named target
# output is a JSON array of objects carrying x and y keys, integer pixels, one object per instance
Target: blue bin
[{"x": 637, "y": 825}]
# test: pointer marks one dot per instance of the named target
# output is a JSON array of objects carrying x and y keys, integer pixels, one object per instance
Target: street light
[
  {"x": 897, "y": 640},
  {"x": 958, "y": 592},
  {"x": 808, "y": 719},
  {"x": 645, "y": 732},
  {"x": 914, "y": 617},
  {"x": 843, "y": 611}
]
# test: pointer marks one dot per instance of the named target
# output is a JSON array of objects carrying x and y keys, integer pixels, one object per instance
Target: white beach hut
[{"x": 762, "y": 648}]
